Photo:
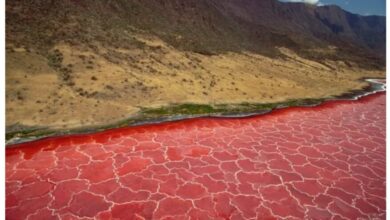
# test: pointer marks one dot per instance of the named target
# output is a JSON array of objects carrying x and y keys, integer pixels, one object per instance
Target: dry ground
[{"x": 101, "y": 88}]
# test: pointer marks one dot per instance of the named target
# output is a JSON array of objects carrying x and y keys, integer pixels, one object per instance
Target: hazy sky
[{"x": 363, "y": 7}]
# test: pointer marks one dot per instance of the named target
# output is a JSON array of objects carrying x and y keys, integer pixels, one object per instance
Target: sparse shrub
[
  {"x": 55, "y": 59},
  {"x": 70, "y": 84}
]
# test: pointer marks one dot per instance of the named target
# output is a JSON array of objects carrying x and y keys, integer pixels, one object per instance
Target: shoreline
[{"x": 252, "y": 109}]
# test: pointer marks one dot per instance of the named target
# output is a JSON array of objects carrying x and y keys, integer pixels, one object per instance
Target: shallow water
[{"x": 318, "y": 162}]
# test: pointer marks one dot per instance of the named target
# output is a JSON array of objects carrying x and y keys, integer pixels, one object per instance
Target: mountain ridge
[{"x": 234, "y": 25}]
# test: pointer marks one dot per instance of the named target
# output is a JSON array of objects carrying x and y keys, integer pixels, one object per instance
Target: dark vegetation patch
[
  {"x": 18, "y": 131},
  {"x": 55, "y": 59},
  {"x": 186, "y": 109},
  {"x": 164, "y": 113}
]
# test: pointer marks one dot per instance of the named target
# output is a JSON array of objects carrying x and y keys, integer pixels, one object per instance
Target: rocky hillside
[{"x": 204, "y": 26}]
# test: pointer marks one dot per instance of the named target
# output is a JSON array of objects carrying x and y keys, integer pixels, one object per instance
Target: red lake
[{"x": 324, "y": 162}]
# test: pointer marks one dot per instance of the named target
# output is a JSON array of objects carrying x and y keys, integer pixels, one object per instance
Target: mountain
[
  {"x": 208, "y": 26},
  {"x": 366, "y": 31},
  {"x": 75, "y": 63}
]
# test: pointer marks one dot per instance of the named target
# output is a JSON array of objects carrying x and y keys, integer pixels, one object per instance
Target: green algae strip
[
  {"x": 166, "y": 113},
  {"x": 196, "y": 109},
  {"x": 182, "y": 111}
]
